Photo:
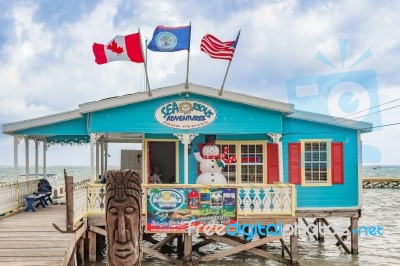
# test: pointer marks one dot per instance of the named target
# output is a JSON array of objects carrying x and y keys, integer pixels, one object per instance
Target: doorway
[{"x": 162, "y": 158}]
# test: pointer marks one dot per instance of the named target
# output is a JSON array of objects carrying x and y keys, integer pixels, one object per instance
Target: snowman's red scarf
[{"x": 222, "y": 156}]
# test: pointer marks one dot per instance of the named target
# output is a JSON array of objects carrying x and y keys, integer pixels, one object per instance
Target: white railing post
[
  {"x": 16, "y": 140},
  {"x": 92, "y": 144}
]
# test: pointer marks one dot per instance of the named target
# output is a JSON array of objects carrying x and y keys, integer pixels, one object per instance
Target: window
[
  {"x": 316, "y": 162},
  {"x": 250, "y": 162}
]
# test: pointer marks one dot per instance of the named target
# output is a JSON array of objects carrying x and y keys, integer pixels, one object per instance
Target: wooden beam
[
  {"x": 82, "y": 250},
  {"x": 310, "y": 229},
  {"x": 293, "y": 250},
  {"x": 324, "y": 214},
  {"x": 156, "y": 254},
  {"x": 163, "y": 242},
  {"x": 98, "y": 230},
  {"x": 92, "y": 246},
  {"x": 337, "y": 236},
  {"x": 187, "y": 247},
  {"x": 238, "y": 247},
  {"x": 202, "y": 244},
  {"x": 285, "y": 248},
  {"x": 354, "y": 235}
]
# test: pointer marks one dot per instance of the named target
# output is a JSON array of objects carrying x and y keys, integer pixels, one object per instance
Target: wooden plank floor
[{"x": 29, "y": 238}]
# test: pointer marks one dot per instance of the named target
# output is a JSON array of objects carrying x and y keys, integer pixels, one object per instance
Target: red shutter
[
  {"x": 294, "y": 163},
  {"x": 337, "y": 163},
  {"x": 200, "y": 148},
  {"x": 272, "y": 163}
]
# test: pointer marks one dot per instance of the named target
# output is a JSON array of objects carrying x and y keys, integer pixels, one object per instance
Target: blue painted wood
[
  {"x": 71, "y": 127},
  {"x": 337, "y": 195},
  {"x": 40, "y": 199},
  {"x": 231, "y": 117}
]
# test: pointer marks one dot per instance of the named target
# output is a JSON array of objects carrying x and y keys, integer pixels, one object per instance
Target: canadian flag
[{"x": 120, "y": 48}]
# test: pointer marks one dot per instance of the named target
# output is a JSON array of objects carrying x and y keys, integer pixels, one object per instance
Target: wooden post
[
  {"x": 179, "y": 246},
  {"x": 123, "y": 217},
  {"x": 354, "y": 235},
  {"x": 92, "y": 246},
  {"x": 187, "y": 247},
  {"x": 293, "y": 250},
  {"x": 44, "y": 159},
  {"x": 82, "y": 249},
  {"x": 69, "y": 199}
]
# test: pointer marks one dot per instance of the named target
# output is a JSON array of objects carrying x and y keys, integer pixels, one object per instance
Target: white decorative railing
[
  {"x": 12, "y": 195},
  {"x": 272, "y": 199},
  {"x": 80, "y": 199},
  {"x": 96, "y": 197}
]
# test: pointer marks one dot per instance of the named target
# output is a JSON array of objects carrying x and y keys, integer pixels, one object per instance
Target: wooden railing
[{"x": 12, "y": 195}]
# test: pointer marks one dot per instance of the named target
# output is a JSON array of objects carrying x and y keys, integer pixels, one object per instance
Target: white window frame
[
  {"x": 238, "y": 164},
  {"x": 328, "y": 163}
]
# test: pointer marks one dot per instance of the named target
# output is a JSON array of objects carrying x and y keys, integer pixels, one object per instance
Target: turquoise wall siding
[
  {"x": 71, "y": 127},
  {"x": 337, "y": 195},
  {"x": 231, "y": 117}
]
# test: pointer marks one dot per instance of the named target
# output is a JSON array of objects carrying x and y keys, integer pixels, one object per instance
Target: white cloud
[{"x": 47, "y": 69}]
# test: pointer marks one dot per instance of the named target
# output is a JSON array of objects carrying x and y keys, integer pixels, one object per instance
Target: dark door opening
[{"x": 162, "y": 159}]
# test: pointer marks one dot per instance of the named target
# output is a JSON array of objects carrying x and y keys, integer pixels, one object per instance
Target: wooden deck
[{"x": 29, "y": 238}]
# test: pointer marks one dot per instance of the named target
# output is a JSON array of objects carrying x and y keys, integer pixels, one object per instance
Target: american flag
[{"x": 216, "y": 48}]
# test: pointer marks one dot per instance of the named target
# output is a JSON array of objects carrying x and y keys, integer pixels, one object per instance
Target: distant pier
[{"x": 381, "y": 183}]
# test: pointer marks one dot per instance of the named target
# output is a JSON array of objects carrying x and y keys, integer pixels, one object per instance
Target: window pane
[
  {"x": 315, "y": 146},
  {"x": 307, "y": 146},
  {"x": 308, "y": 177},
  {"x": 307, "y": 156},
  {"x": 323, "y": 156},
  {"x": 323, "y": 166},
  {"x": 259, "y": 148},
  {"x": 245, "y": 149},
  {"x": 323, "y": 176},
  {"x": 315, "y": 156},
  {"x": 315, "y": 167},
  {"x": 252, "y": 148},
  {"x": 308, "y": 166},
  {"x": 323, "y": 146}
]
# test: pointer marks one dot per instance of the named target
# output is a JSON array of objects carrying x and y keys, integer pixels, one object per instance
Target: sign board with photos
[{"x": 171, "y": 210}]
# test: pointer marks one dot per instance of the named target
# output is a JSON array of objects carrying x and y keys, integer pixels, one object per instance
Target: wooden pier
[
  {"x": 381, "y": 183},
  {"x": 29, "y": 238}
]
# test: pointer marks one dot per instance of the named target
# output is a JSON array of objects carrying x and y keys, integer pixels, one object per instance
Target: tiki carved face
[{"x": 123, "y": 214}]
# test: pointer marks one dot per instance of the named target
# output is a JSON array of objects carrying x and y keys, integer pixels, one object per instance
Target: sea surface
[{"x": 380, "y": 207}]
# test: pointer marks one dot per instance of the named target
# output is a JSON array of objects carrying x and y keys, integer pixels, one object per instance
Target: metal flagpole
[
  {"x": 229, "y": 65},
  {"x": 145, "y": 59},
  {"x": 145, "y": 65},
  {"x": 187, "y": 62}
]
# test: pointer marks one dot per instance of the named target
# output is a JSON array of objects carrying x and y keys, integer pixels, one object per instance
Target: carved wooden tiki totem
[{"x": 123, "y": 217}]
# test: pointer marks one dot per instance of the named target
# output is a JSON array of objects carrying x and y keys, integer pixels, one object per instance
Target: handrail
[{"x": 12, "y": 195}]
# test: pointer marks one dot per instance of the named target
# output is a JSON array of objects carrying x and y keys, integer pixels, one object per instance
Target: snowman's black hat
[{"x": 210, "y": 139}]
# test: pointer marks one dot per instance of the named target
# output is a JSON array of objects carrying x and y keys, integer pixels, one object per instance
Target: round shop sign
[
  {"x": 185, "y": 114},
  {"x": 167, "y": 200}
]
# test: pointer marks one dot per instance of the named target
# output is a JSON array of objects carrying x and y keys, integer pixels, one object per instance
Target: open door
[{"x": 162, "y": 158}]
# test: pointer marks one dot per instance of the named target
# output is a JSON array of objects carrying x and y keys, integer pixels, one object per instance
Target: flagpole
[
  {"x": 145, "y": 58},
  {"x": 229, "y": 65},
  {"x": 145, "y": 65},
  {"x": 187, "y": 62}
]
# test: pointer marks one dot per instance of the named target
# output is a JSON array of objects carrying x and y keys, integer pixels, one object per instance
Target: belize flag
[{"x": 170, "y": 39}]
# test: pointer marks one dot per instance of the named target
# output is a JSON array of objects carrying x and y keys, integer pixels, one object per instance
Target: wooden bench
[{"x": 40, "y": 199}]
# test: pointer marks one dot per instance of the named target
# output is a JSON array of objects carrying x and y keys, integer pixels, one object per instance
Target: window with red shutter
[
  {"x": 294, "y": 163},
  {"x": 337, "y": 163},
  {"x": 272, "y": 163}
]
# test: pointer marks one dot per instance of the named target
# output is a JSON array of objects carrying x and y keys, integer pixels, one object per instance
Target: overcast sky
[{"x": 47, "y": 65}]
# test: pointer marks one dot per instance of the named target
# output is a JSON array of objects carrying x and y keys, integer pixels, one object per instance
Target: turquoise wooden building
[{"x": 272, "y": 141}]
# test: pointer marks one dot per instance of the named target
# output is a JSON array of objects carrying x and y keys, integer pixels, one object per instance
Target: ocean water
[{"x": 380, "y": 207}]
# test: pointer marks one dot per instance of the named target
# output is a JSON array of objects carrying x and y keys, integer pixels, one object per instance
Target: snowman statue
[{"x": 211, "y": 164}]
